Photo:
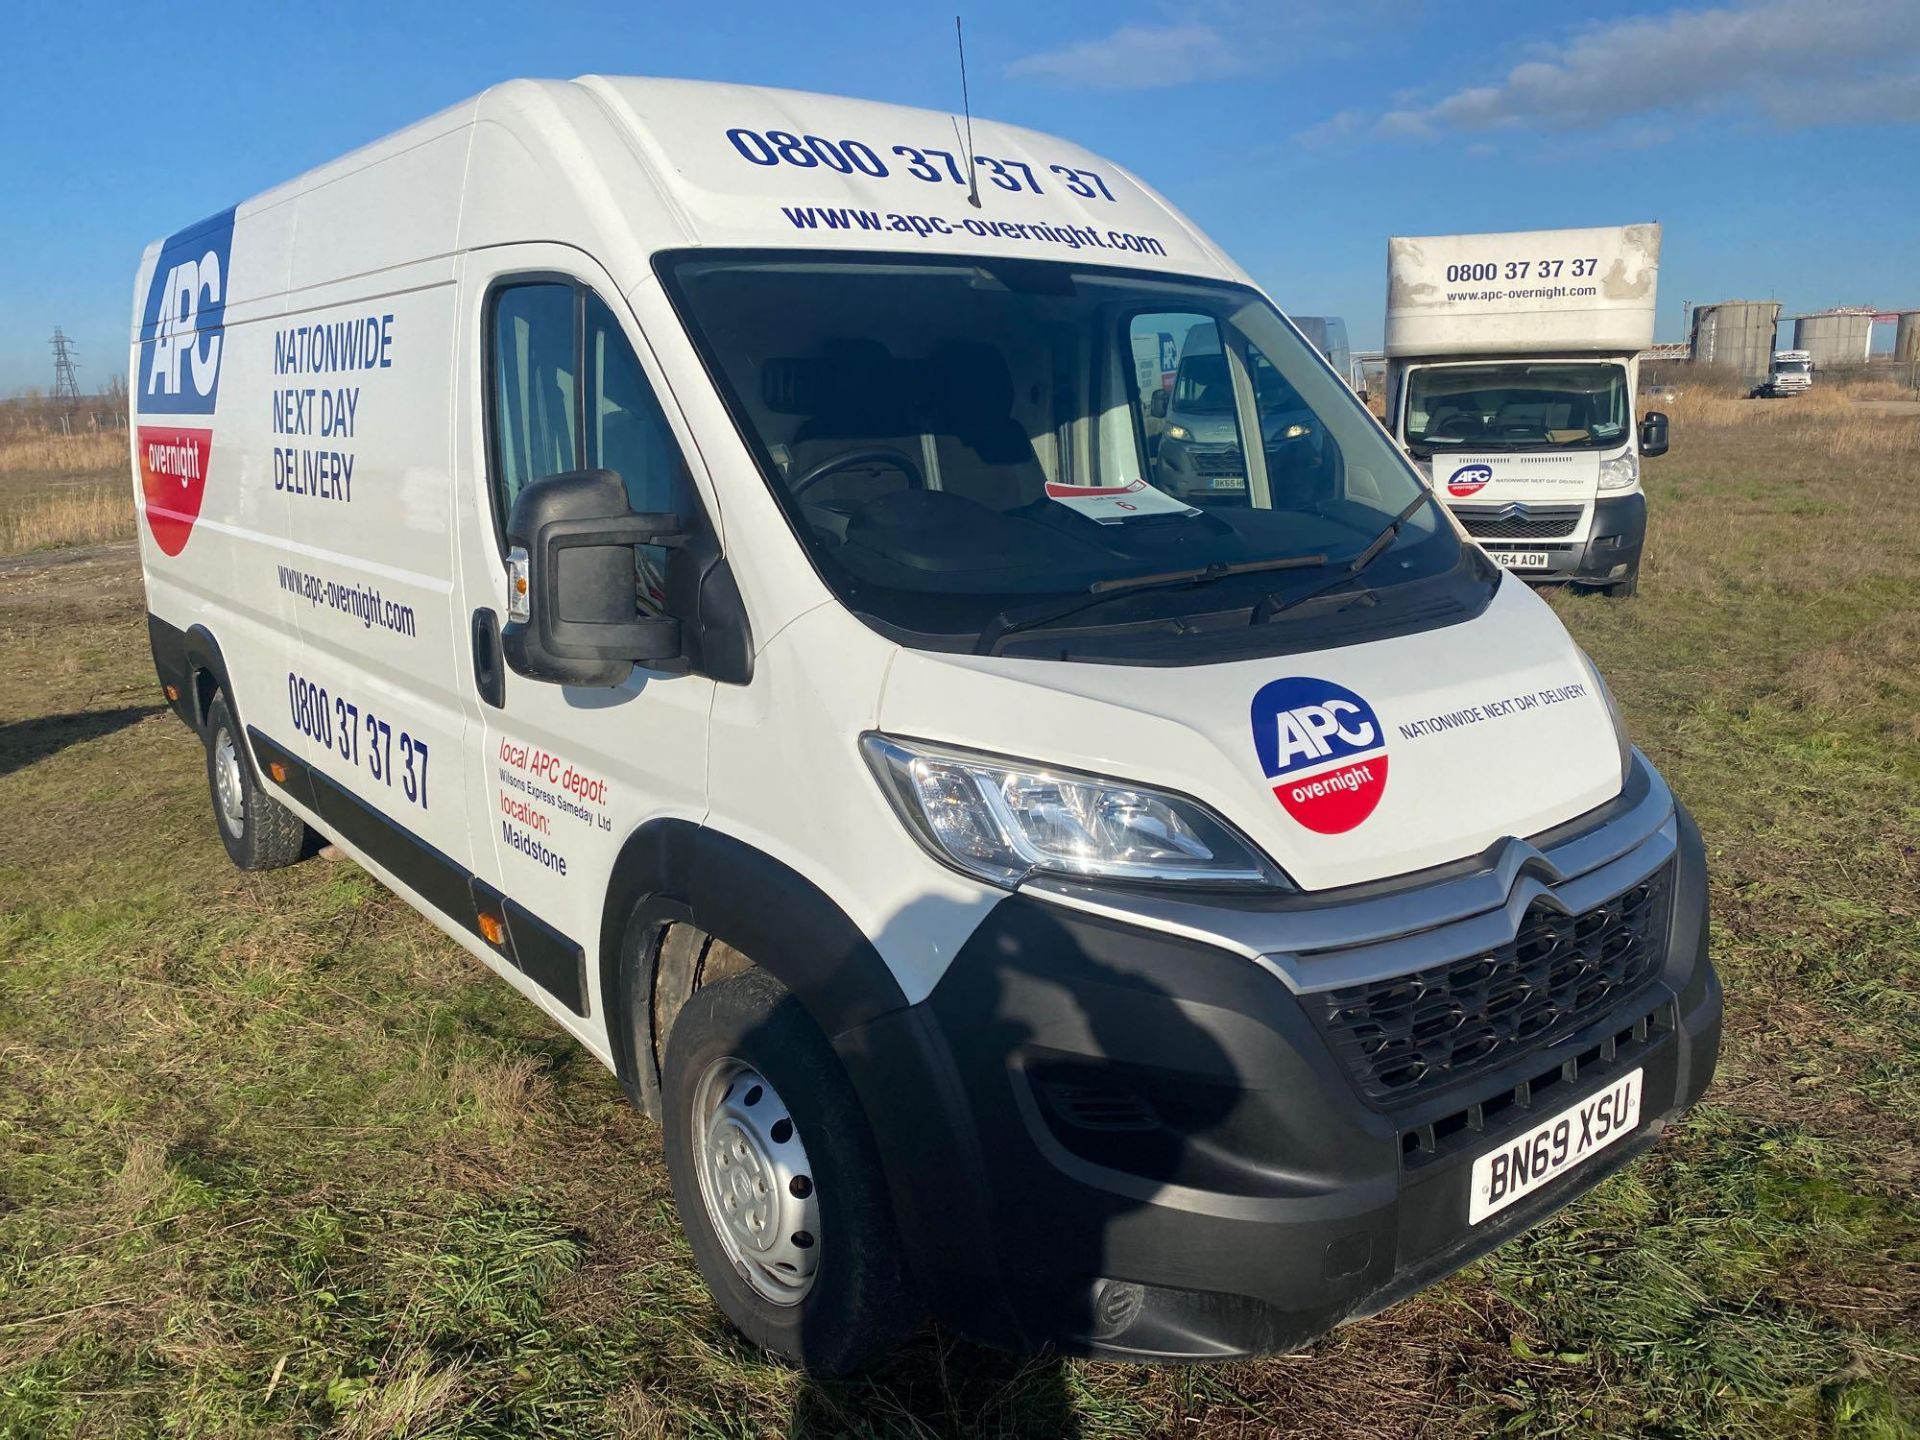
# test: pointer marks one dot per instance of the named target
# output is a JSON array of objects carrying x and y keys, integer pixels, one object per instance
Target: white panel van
[{"x": 701, "y": 546}]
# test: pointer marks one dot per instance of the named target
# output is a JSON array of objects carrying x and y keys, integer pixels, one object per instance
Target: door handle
[{"x": 489, "y": 670}]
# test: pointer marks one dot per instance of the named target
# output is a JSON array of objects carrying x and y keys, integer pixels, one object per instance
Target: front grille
[
  {"x": 1216, "y": 462},
  {"x": 1545, "y": 1090},
  {"x": 1539, "y": 523},
  {"x": 1407, "y": 1036}
]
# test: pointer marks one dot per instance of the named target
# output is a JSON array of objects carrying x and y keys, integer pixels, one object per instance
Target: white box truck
[
  {"x": 707, "y": 564},
  {"x": 1512, "y": 366},
  {"x": 1790, "y": 372}
]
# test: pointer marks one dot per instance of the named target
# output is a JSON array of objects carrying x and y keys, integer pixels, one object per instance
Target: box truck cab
[
  {"x": 1512, "y": 366},
  {"x": 711, "y": 567},
  {"x": 1789, "y": 373}
]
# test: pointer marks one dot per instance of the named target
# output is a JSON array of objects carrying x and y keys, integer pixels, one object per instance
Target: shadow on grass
[
  {"x": 27, "y": 742},
  {"x": 945, "y": 1386}
]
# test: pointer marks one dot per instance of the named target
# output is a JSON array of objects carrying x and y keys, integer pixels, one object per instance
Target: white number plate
[
  {"x": 1520, "y": 559},
  {"x": 1553, "y": 1147}
]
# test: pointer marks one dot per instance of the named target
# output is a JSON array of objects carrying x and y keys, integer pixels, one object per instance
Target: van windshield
[
  {"x": 965, "y": 446},
  {"x": 1518, "y": 405}
]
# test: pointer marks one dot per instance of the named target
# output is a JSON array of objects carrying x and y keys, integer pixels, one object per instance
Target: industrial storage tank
[
  {"x": 1835, "y": 338},
  {"x": 1906, "y": 339},
  {"x": 1736, "y": 335}
]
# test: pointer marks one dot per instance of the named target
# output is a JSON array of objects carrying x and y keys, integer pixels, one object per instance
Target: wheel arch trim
[{"x": 674, "y": 871}]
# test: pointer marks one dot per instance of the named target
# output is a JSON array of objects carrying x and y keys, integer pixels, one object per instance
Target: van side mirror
[
  {"x": 572, "y": 613},
  {"x": 1157, "y": 405},
  {"x": 1653, "y": 434}
]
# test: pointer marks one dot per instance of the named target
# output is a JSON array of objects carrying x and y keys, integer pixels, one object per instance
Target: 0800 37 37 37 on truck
[{"x": 977, "y": 728}]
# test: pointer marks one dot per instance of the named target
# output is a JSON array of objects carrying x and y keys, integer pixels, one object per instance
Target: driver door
[{"x": 561, "y": 379}]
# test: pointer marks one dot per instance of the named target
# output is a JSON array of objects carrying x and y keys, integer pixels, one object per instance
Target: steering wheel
[{"x": 834, "y": 464}]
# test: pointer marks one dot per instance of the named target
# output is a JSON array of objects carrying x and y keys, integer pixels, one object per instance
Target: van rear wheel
[
  {"x": 259, "y": 832},
  {"x": 777, "y": 1181}
]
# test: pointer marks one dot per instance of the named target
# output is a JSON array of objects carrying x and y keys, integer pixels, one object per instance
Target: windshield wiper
[
  {"x": 1274, "y": 605},
  {"x": 995, "y": 632}
]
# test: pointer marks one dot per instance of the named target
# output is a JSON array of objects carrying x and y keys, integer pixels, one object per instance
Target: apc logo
[
  {"x": 1469, "y": 480},
  {"x": 1324, "y": 747},
  {"x": 182, "y": 334}
]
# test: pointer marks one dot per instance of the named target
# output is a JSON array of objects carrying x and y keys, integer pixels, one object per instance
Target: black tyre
[
  {"x": 778, "y": 1183},
  {"x": 1627, "y": 588},
  {"x": 259, "y": 832}
]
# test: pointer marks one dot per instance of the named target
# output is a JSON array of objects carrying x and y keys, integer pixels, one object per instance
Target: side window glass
[
  {"x": 535, "y": 388},
  {"x": 628, "y": 434},
  {"x": 1188, "y": 411}
]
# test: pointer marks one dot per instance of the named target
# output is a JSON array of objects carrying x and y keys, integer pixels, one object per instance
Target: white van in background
[
  {"x": 1512, "y": 366},
  {"x": 714, "y": 569},
  {"x": 1328, "y": 335}
]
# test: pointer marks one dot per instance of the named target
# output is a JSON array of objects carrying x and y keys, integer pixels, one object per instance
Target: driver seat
[
  {"x": 857, "y": 400},
  {"x": 985, "y": 454}
]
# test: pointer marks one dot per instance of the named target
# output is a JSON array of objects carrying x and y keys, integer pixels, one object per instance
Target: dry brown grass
[
  {"x": 1829, "y": 420},
  {"x": 84, "y": 454},
  {"x": 76, "y": 515}
]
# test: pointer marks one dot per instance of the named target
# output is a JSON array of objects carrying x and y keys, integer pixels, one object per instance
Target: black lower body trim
[
  {"x": 542, "y": 953},
  {"x": 1112, "y": 1139},
  {"x": 1609, "y": 555},
  {"x": 174, "y": 668}
]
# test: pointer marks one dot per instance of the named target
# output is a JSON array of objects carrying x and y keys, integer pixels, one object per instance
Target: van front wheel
[
  {"x": 259, "y": 832},
  {"x": 777, "y": 1181}
]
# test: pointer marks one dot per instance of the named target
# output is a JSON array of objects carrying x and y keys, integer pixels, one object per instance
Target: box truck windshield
[
  {"x": 1517, "y": 405},
  {"x": 962, "y": 448}
]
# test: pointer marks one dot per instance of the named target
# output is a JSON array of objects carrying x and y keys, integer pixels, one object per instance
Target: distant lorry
[
  {"x": 1791, "y": 373},
  {"x": 1512, "y": 365}
]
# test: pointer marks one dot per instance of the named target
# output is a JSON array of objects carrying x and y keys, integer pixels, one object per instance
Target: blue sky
[{"x": 1778, "y": 140}]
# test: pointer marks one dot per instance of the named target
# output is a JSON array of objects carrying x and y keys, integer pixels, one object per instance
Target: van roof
[{"x": 625, "y": 167}]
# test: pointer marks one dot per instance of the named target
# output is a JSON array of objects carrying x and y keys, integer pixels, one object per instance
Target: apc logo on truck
[
  {"x": 182, "y": 334},
  {"x": 1324, "y": 748},
  {"x": 1469, "y": 480}
]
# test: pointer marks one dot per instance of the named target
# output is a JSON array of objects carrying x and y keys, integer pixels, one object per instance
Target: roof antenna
[{"x": 966, "y": 108}]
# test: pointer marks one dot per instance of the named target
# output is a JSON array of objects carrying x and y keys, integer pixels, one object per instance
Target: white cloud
[
  {"x": 1136, "y": 57},
  {"x": 1796, "y": 62}
]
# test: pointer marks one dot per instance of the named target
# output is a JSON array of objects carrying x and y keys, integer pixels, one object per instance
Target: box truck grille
[
  {"x": 1406, "y": 1036},
  {"x": 1538, "y": 523}
]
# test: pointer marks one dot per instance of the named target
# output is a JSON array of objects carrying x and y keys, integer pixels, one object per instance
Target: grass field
[
  {"x": 277, "y": 1159},
  {"x": 58, "y": 490}
]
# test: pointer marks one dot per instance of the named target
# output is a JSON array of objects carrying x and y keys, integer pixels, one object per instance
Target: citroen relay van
[{"x": 701, "y": 546}]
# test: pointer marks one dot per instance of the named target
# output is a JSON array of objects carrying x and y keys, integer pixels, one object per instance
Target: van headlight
[
  {"x": 1620, "y": 473},
  {"x": 1179, "y": 432},
  {"x": 1005, "y": 820}
]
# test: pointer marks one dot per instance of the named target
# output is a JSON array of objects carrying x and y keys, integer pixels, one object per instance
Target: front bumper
[
  {"x": 1610, "y": 553},
  {"x": 1118, "y": 1139}
]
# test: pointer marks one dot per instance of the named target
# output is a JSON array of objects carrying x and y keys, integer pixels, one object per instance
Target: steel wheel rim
[
  {"x": 229, "y": 784},
  {"x": 756, "y": 1182}
]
